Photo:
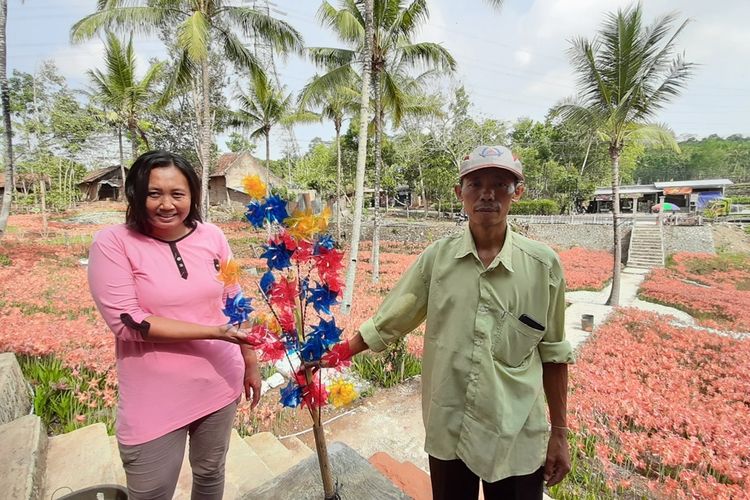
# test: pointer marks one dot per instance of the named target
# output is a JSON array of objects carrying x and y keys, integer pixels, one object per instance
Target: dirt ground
[{"x": 731, "y": 238}]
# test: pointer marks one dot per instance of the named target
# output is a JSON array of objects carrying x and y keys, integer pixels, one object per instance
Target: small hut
[{"x": 102, "y": 184}]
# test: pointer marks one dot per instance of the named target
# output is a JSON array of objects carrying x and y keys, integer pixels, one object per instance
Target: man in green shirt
[{"x": 494, "y": 346}]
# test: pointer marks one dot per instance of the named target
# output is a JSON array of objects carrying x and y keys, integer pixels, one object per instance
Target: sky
[{"x": 513, "y": 62}]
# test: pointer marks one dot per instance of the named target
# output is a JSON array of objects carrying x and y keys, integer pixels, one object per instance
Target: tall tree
[
  {"x": 265, "y": 107},
  {"x": 626, "y": 74},
  {"x": 10, "y": 178},
  {"x": 359, "y": 183},
  {"x": 335, "y": 103},
  {"x": 120, "y": 92},
  {"x": 395, "y": 24},
  {"x": 201, "y": 24}
]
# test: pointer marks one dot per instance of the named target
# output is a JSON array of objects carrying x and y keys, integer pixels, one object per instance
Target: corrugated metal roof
[
  {"x": 703, "y": 183},
  {"x": 632, "y": 189},
  {"x": 96, "y": 174}
]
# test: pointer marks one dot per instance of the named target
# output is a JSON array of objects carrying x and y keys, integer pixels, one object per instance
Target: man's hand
[
  {"x": 557, "y": 464},
  {"x": 339, "y": 356}
]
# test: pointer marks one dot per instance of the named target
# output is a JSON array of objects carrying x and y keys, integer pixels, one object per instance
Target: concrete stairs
[
  {"x": 646, "y": 245},
  {"x": 35, "y": 467}
]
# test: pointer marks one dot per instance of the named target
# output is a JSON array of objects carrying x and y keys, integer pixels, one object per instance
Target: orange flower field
[
  {"x": 713, "y": 289},
  {"x": 670, "y": 402}
]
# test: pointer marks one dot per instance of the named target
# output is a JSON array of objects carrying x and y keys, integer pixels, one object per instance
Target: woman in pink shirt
[{"x": 181, "y": 368}]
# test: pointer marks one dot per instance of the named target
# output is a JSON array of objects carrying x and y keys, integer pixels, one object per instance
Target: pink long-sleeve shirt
[{"x": 164, "y": 386}]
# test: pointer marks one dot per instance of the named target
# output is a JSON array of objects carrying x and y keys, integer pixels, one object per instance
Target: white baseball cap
[{"x": 491, "y": 157}]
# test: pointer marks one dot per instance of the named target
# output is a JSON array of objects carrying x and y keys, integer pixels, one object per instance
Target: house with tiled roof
[{"x": 225, "y": 181}]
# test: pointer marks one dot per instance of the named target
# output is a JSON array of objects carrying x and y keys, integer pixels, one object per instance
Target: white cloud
[{"x": 523, "y": 57}]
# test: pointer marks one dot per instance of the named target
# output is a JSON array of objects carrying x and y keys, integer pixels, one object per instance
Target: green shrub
[
  {"x": 65, "y": 400},
  {"x": 389, "y": 368},
  {"x": 722, "y": 262},
  {"x": 535, "y": 207},
  {"x": 5, "y": 260},
  {"x": 739, "y": 200}
]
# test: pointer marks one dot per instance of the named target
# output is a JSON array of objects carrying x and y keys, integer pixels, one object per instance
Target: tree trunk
[
  {"x": 614, "y": 295},
  {"x": 43, "y": 203},
  {"x": 338, "y": 180},
  {"x": 122, "y": 162},
  {"x": 424, "y": 191},
  {"x": 205, "y": 138},
  {"x": 268, "y": 175},
  {"x": 364, "y": 118},
  {"x": 133, "y": 141},
  {"x": 10, "y": 178},
  {"x": 378, "y": 169}
]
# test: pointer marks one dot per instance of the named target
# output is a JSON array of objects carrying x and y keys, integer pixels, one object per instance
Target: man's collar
[{"x": 505, "y": 257}]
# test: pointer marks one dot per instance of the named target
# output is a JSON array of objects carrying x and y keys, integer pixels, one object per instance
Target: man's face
[{"x": 486, "y": 195}]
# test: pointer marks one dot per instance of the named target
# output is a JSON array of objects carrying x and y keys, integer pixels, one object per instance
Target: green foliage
[
  {"x": 5, "y": 261},
  {"x": 389, "y": 368},
  {"x": 739, "y": 200},
  {"x": 586, "y": 479},
  {"x": 238, "y": 142},
  {"x": 535, "y": 207},
  {"x": 62, "y": 176},
  {"x": 57, "y": 390},
  {"x": 722, "y": 262},
  {"x": 317, "y": 168},
  {"x": 709, "y": 158}
]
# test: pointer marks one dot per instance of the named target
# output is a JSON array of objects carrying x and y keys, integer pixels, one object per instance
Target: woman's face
[{"x": 168, "y": 202}]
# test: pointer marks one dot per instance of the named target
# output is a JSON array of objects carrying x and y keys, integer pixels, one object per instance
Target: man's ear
[
  {"x": 457, "y": 190},
  {"x": 520, "y": 188}
]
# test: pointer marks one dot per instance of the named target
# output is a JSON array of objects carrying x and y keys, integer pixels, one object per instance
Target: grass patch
[
  {"x": 389, "y": 368},
  {"x": 722, "y": 262},
  {"x": 65, "y": 400}
]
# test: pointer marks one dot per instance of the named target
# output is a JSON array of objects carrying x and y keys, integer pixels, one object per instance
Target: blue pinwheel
[
  {"x": 325, "y": 241},
  {"x": 256, "y": 213},
  {"x": 277, "y": 256},
  {"x": 327, "y": 331},
  {"x": 237, "y": 309},
  {"x": 322, "y": 298},
  {"x": 314, "y": 348},
  {"x": 276, "y": 209},
  {"x": 266, "y": 282},
  {"x": 291, "y": 395}
]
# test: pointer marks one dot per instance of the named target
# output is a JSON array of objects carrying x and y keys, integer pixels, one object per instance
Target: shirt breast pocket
[{"x": 514, "y": 341}]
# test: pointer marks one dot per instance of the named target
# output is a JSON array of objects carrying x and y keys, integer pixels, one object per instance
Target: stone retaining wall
[{"x": 595, "y": 236}]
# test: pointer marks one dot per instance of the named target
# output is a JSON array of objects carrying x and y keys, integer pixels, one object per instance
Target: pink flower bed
[
  {"x": 718, "y": 297},
  {"x": 670, "y": 402}
]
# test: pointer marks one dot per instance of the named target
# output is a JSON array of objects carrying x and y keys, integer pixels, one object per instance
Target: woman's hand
[
  {"x": 232, "y": 333},
  {"x": 252, "y": 380}
]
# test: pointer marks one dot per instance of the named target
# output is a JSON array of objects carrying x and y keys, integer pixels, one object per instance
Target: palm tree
[
  {"x": 200, "y": 25},
  {"x": 335, "y": 104},
  {"x": 265, "y": 107},
  {"x": 626, "y": 74},
  {"x": 395, "y": 22},
  {"x": 10, "y": 181},
  {"x": 121, "y": 93}
]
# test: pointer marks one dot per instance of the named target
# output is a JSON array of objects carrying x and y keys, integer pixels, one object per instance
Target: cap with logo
[{"x": 491, "y": 157}]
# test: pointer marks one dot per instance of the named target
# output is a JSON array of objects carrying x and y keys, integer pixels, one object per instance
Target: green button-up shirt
[{"x": 482, "y": 394}]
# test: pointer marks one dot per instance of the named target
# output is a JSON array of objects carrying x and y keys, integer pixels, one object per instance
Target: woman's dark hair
[{"x": 136, "y": 188}]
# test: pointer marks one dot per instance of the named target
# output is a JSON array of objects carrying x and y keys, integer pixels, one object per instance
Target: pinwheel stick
[{"x": 329, "y": 488}]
